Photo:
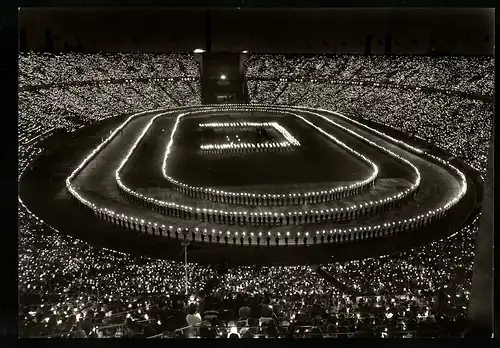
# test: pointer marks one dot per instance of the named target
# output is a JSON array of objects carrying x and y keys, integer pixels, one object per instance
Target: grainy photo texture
[{"x": 230, "y": 174}]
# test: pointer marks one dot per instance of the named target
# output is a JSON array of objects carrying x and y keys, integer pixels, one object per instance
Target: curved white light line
[
  {"x": 87, "y": 159},
  {"x": 337, "y": 232},
  {"x": 396, "y": 141},
  {"x": 265, "y": 213},
  {"x": 259, "y": 195},
  {"x": 463, "y": 180},
  {"x": 415, "y": 169},
  {"x": 190, "y": 208},
  {"x": 445, "y": 207}
]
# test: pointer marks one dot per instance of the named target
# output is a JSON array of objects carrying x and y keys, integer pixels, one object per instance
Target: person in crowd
[
  {"x": 193, "y": 318},
  {"x": 56, "y": 270},
  {"x": 245, "y": 310}
]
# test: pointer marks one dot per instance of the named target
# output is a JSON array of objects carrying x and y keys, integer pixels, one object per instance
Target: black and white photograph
[{"x": 255, "y": 173}]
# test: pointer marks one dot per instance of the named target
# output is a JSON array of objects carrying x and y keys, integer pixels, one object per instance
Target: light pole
[{"x": 185, "y": 245}]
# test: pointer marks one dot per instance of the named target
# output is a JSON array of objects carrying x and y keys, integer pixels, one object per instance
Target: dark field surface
[
  {"x": 226, "y": 136},
  {"x": 144, "y": 167},
  {"x": 318, "y": 159}
]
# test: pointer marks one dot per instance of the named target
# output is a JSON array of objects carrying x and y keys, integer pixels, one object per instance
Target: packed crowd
[
  {"x": 458, "y": 125},
  {"x": 465, "y": 74},
  {"x": 72, "y": 107},
  {"x": 384, "y": 299},
  {"x": 69, "y": 288},
  {"x": 46, "y": 69},
  {"x": 53, "y": 268},
  {"x": 66, "y": 285}
]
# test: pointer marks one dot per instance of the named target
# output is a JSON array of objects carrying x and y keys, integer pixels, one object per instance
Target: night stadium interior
[{"x": 267, "y": 191}]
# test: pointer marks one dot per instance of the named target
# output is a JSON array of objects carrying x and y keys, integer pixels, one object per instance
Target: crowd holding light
[
  {"x": 461, "y": 126},
  {"x": 464, "y": 74},
  {"x": 62, "y": 102},
  {"x": 69, "y": 288},
  {"x": 66, "y": 284},
  {"x": 51, "y": 69},
  {"x": 73, "y": 107},
  {"x": 397, "y": 294}
]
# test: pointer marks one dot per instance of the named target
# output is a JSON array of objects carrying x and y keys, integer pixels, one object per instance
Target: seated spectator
[
  {"x": 266, "y": 311},
  {"x": 193, "y": 318},
  {"x": 210, "y": 315},
  {"x": 242, "y": 322},
  {"x": 265, "y": 321},
  {"x": 244, "y": 311}
]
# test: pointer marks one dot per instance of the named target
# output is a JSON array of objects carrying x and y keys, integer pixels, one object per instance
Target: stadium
[{"x": 221, "y": 194}]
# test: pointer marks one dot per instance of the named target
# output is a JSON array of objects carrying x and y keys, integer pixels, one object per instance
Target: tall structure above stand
[{"x": 222, "y": 78}]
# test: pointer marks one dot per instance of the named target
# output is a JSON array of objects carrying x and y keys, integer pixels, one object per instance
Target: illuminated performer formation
[{"x": 342, "y": 213}]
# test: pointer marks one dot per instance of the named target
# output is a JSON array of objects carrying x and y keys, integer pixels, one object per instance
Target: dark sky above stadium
[{"x": 264, "y": 30}]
